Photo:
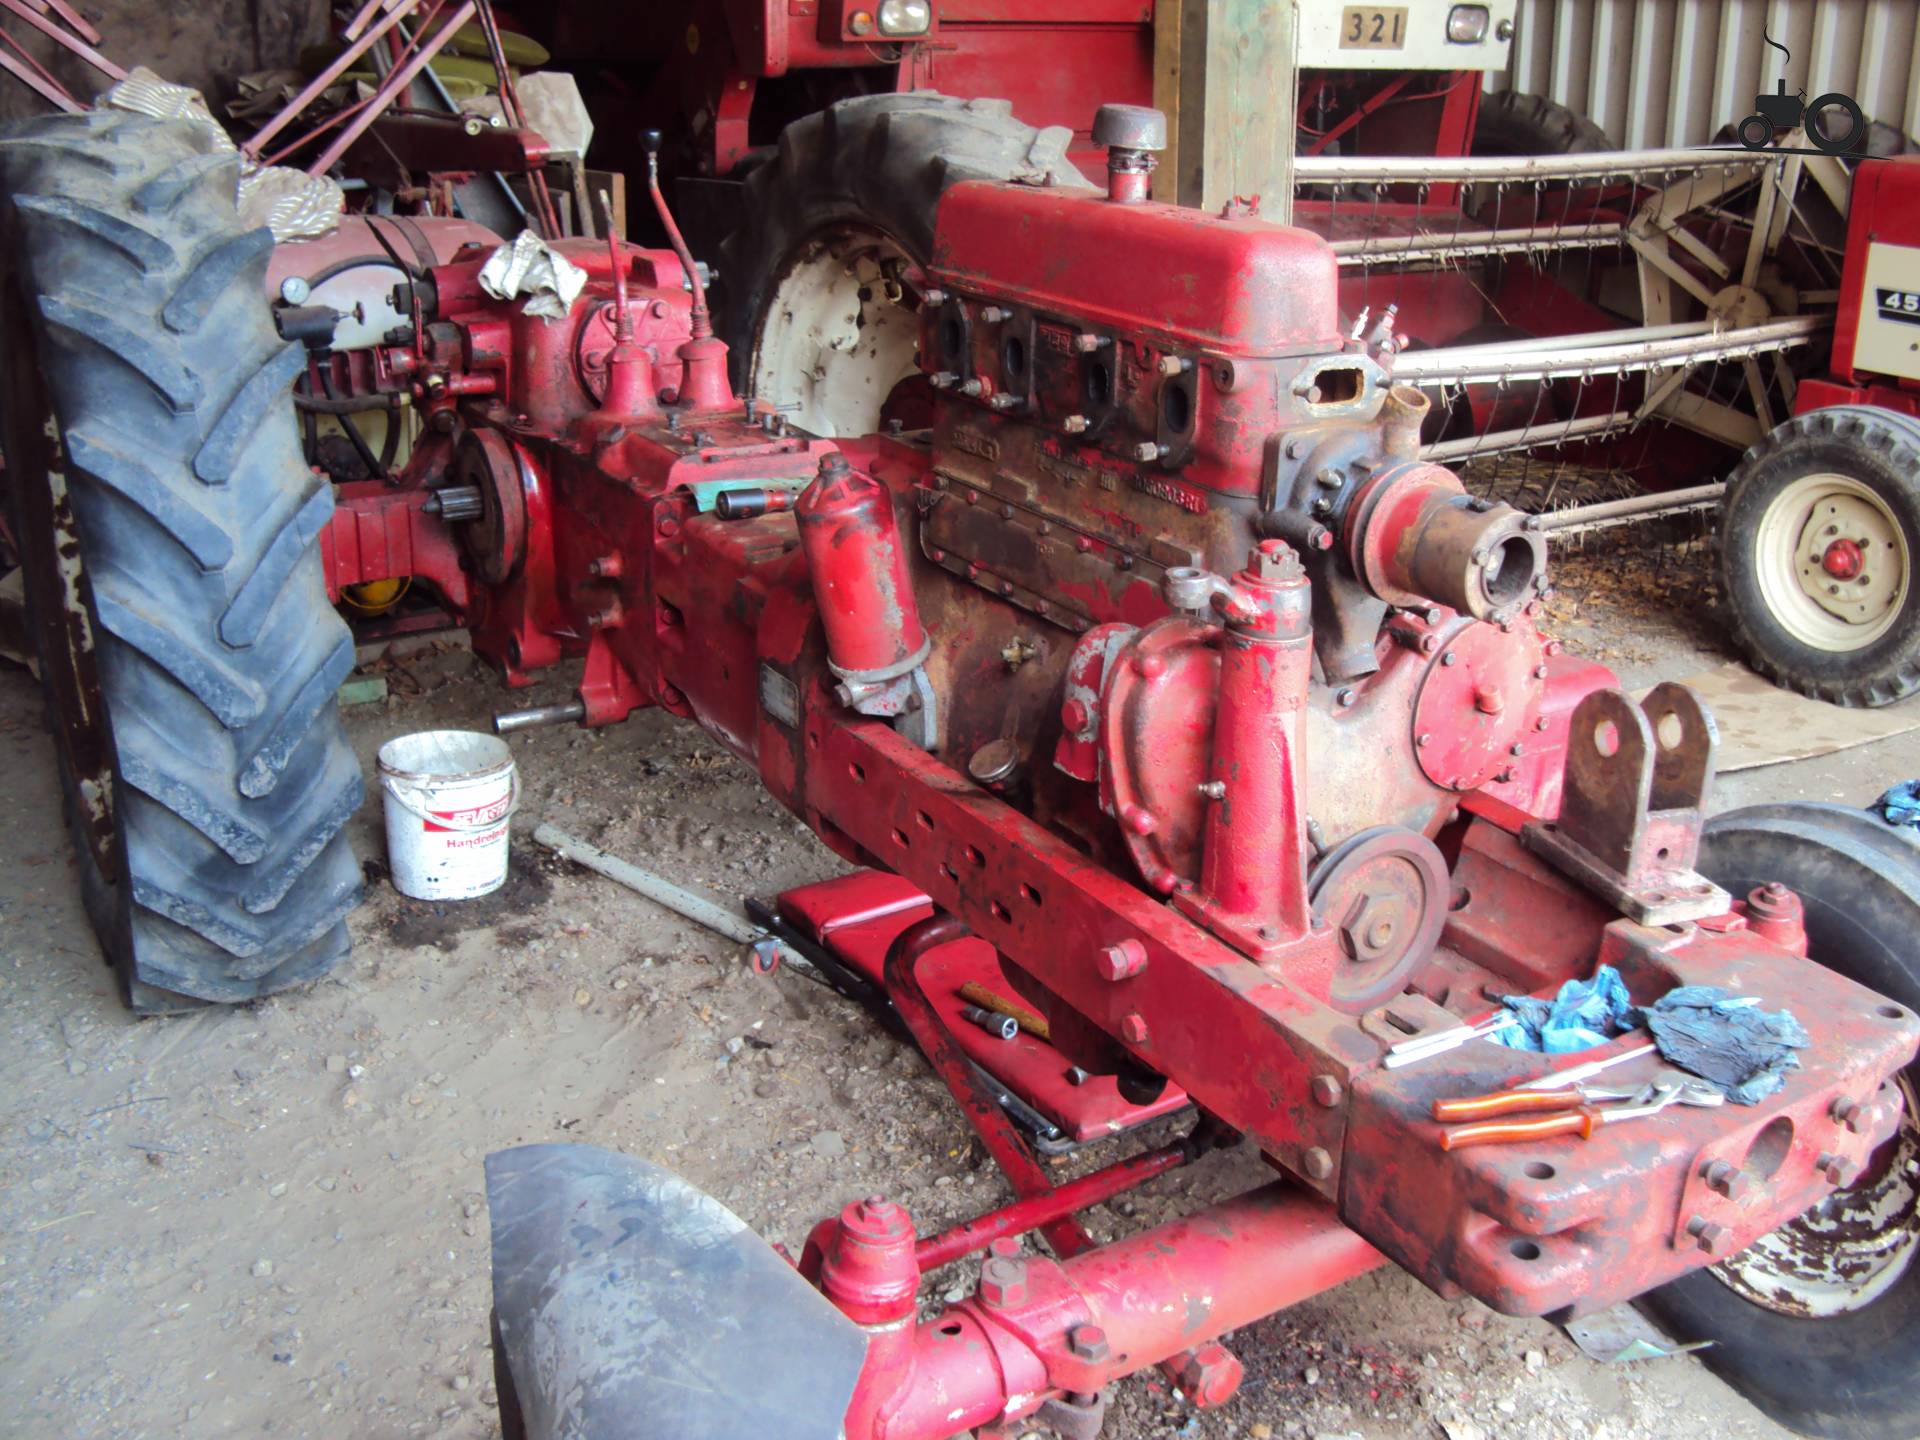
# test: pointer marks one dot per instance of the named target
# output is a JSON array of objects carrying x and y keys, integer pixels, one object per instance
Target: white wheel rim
[
  {"x": 1847, "y": 1251},
  {"x": 841, "y": 330},
  {"x": 1833, "y": 562}
]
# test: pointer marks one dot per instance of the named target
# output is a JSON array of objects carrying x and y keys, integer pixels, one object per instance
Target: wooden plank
[{"x": 1225, "y": 74}]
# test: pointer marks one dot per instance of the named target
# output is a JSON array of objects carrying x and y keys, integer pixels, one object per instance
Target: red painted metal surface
[{"x": 1884, "y": 208}]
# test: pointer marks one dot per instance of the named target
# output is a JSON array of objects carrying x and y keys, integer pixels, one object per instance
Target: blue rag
[
  {"x": 1584, "y": 1014},
  {"x": 1900, "y": 805}
]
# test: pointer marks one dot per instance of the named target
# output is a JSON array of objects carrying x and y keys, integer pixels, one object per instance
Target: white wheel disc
[
  {"x": 1833, "y": 562},
  {"x": 841, "y": 329},
  {"x": 1847, "y": 1251}
]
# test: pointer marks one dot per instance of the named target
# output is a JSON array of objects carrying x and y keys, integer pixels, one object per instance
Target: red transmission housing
[{"x": 1156, "y": 666}]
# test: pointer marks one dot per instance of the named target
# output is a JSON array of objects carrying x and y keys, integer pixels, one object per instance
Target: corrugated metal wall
[{"x": 1672, "y": 72}]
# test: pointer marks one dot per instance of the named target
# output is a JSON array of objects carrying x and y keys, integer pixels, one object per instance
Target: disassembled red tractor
[
  {"x": 1183, "y": 702},
  {"x": 1163, "y": 668}
]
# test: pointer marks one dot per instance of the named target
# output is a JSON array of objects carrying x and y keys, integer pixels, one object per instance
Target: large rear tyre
[
  {"x": 169, "y": 537},
  {"x": 1818, "y": 1324},
  {"x": 1819, "y": 531},
  {"x": 1511, "y": 123},
  {"x": 823, "y": 277}
]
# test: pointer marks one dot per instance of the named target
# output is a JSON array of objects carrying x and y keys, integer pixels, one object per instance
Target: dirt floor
[{"x": 269, "y": 1220}]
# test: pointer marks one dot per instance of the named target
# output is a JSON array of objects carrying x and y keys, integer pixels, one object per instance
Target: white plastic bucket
[{"x": 449, "y": 797}]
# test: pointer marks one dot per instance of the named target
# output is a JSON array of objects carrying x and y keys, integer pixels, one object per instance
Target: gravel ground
[{"x": 269, "y": 1220}]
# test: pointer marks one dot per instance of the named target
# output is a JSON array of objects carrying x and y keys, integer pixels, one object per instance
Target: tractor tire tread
[{"x": 217, "y": 652}]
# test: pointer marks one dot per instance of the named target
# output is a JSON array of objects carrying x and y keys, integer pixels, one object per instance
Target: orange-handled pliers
[{"x": 1575, "y": 1117}]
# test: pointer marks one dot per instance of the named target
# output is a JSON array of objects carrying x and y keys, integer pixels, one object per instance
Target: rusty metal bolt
[
  {"x": 1274, "y": 560},
  {"x": 971, "y": 387},
  {"x": 1724, "y": 1178},
  {"x": 1207, "y": 1375},
  {"x": 1003, "y": 1281},
  {"x": 1851, "y": 1115},
  {"x": 1838, "y": 1170},
  {"x": 1001, "y": 400},
  {"x": 1709, "y": 1236},
  {"x": 1121, "y": 960},
  {"x": 1319, "y": 537},
  {"x": 1074, "y": 424},
  {"x": 1088, "y": 1342},
  {"x": 1345, "y": 697},
  {"x": 1133, "y": 1028},
  {"x": 1317, "y": 1163},
  {"x": 1327, "y": 1090},
  {"x": 943, "y": 379},
  {"x": 1329, "y": 478},
  {"x": 1086, "y": 342},
  {"x": 993, "y": 314},
  {"x": 1171, "y": 365},
  {"x": 1146, "y": 450}
]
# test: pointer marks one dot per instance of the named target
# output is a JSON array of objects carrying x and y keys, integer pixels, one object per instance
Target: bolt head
[
  {"x": 1120, "y": 961},
  {"x": 1838, "y": 1170},
  {"x": 1708, "y": 1235},
  {"x": 1208, "y": 1375},
  {"x": 1725, "y": 1178},
  {"x": 1088, "y": 1342},
  {"x": 1146, "y": 450},
  {"x": 1327, "y": 1090},
  {"x": 1851, "y": 1115},
  {"x": 1003, "y": 1281},
  {"x": 1133, "y": 1028},
  {"x": 1074, "y": 424},
  {"x": 1317, "y": 1163}
]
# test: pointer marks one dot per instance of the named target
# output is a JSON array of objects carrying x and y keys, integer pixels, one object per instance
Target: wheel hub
[{"x": 1833, "y": 562}]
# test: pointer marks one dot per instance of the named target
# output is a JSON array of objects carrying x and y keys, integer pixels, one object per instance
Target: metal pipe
[
  {"x": 1424, "y": 367},
  {"x": 685, "y": 903},
  {"x": 1419, "y": 169},
  {"x": 394, "y": 85},
  {"x": 1129, "y": 1305},
  {"x": 1634, "y": 505},
  {"x": 949, "y": 1245},
  {"x": 1520, "y": 240},
  {"x": 571, "y": 711}
]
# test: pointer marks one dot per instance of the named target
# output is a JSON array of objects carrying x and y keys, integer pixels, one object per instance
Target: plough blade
[{"x": 629, "y": 1305}]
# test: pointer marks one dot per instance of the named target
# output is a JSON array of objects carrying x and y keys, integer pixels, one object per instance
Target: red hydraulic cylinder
[
  {"x": 860, "y": 579},
  {"x": 1253, "y": 871},
  {"x": 1040, "y": 1328}
]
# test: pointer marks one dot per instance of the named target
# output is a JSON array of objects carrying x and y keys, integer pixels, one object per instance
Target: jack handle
[{"x": 700, "y": 323}]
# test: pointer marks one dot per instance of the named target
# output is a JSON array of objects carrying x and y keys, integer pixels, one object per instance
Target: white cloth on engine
[{"x": 531, "y": 267}]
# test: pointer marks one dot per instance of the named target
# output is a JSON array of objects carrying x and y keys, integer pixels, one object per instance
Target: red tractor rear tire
[{"x": 822, "y": 278}]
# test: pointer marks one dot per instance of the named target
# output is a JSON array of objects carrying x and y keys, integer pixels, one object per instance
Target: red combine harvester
[{"x": 1157, "y": 684}]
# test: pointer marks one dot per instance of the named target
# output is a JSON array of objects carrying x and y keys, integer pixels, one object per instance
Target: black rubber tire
[
  {"x": 1512, "y": 123},
  {"x": 1879, "y": 448},
  {"x": 145, "y": 377},
  {"x": 1851, "y": 1375},
  {"x": 880, "y": 161}
]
